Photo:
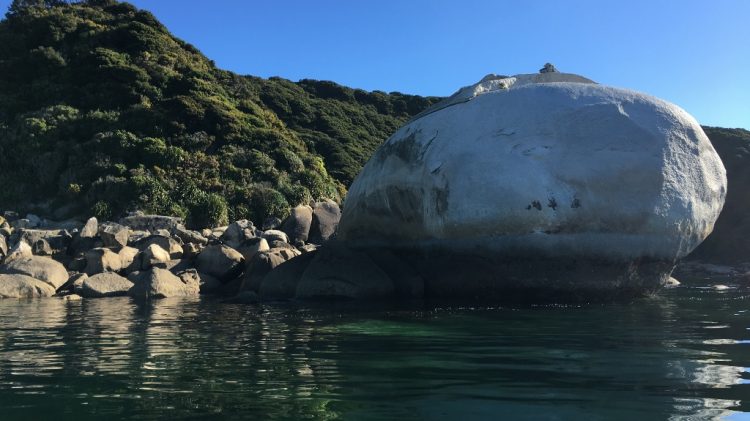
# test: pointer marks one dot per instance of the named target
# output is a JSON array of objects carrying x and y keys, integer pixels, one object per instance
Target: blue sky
[{"x": 695, "y": 53}]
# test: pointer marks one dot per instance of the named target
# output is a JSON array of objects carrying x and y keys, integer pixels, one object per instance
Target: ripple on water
[{"x": 683, "y": 353}]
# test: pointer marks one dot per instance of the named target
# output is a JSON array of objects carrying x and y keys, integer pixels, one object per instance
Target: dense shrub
[{"x": 101, "y": 107}]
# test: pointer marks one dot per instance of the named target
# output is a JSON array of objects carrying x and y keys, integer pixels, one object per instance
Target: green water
[{"x": 683, "y": 354}]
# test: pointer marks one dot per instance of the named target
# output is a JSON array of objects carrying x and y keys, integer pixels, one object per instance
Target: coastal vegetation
[{"x": 102, "y": 111}]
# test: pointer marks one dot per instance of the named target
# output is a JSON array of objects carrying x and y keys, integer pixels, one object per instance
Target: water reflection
[{"x": 682, "y": 354}]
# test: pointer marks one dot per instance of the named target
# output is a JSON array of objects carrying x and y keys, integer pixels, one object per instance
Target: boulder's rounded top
[{"x": 499, "y": 83}]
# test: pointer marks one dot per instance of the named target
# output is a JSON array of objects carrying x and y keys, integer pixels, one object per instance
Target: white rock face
[{"x": 549, "y": 165}]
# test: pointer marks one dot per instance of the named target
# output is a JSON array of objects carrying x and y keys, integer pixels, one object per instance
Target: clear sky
[{"x": 695, "y": 53}]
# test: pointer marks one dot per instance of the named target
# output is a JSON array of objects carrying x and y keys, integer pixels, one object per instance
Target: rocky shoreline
[{"x": 152, "y": 256}]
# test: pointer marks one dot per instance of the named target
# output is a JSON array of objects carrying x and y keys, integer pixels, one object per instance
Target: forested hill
[{"x": 102, "y": 110}]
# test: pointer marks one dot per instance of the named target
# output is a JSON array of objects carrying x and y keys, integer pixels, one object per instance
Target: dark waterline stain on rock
[{"x": 552, "y": 203}]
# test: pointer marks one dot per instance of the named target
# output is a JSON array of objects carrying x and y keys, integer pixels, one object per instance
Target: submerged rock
[{"x": 540, "y": 182}]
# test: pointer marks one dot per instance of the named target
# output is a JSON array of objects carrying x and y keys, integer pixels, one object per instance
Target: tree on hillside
[{"x": 18, "y": 6}]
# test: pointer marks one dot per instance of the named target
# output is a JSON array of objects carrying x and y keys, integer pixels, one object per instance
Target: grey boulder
[
  {"x": 23, "y": 286},
  {"x": 161, "y": 283},
  {"x": 221, "y": 262},
  {"x": 41, "y": 268},
  {"x": 104, "y": 285}
]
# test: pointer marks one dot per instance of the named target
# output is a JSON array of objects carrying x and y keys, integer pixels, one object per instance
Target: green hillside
[{"x": 102, "y": 111}]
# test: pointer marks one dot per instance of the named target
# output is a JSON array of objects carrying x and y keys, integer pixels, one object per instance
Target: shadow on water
[{"x": 682, "y": 353}]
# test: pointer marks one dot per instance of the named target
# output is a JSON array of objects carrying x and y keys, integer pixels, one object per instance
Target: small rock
[
  {"x": 114, "y": 235},
  {"x": 548, "y": 68},
  {"x": 100, "y": 260},
  {"x": 24, "y": 286},
  {"x": 220, "y": 261},
  {"x": 275, "y": 235},
  {"x": 41, "y": 268},
  {"x": 3, "y": 248},
  {"x": 262, "y": 263},
  {"x": 57, "y": 241},
  {"x": 151, "y": 223},
  {"x": 41, "y": 248},
  {"x": 249, "y": 248},
  {"x": 307, "y": 248},
  {"x": 297, "y": 224},
  {"x": 237, "y": 233},
  {"x": 71, "y": 297},
  {"x": 325, "y": 221},
  {"x": 191, "y": 250},
  {"x": 19, "y": 251},
  {"x": 188, "y": 236},
  {"x": 21, "y": 224},
  {"x": 91, "y": 229},
  {"x": 75, "y": 282},
  {"x": 207, "y": 283},
  {"x": 105, "y": 285},
  {"x": 167, "y": 243},
  {"x": 153, "y": 254},
  {"x": 672, "y": 283},
  {"x": 128, "y": 258},
  {"x": 136, "y": 236},
  {"x": 271, "y": 223},
  {"x": 161, "y": 283},
  {"x": 34, "y": 221}
]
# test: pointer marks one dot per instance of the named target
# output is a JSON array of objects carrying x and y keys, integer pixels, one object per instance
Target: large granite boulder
[
  {"x": 23, "y": 286},
  {"x": 540, "y": 182},
  {"x": 42, "y": 268}
]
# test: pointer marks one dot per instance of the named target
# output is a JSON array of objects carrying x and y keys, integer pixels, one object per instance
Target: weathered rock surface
[
  {"x": 23, "y": 286},
  {"x": 262, "y": 263},
  {"x": 541, "y": 169},
  {"x": 139, "y": 221},
  {"x": 19, "y": 251},
  {"x": 275, "y": 235},
  {"x": 249, "y": 248},
  {"x": 280, "y": 282},
  {"x": 208, "y": 283},
  {"x": 172, "y": 247},
  {"x": 161, "y": 283},
  {"x": 3, "y": 248},
  {"x": 189, "y": 236},
  {"x": 100, "y": 260},
  {"x": 325, "y": 221},
  {"x": 56, "y": 240},
  {"x": 104, "y": 285},
  {"x": 114, "y": 235},
  {"x": 221, "y": 262},
  {"x": 152, "y": 255},
  {"x": 44, "y": 269},
  {"x": 297, "y": 224},
  {"x": 237, "y": 233},
  {"x": 90, "y": 229},
  {"x": 343, "y": 273}
]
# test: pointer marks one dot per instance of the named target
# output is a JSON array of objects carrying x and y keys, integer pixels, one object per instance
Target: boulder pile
[{"x": 150, "y": 256}]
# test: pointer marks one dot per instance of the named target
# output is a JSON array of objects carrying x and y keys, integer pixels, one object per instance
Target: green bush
[{"x": 209, "y": 210}]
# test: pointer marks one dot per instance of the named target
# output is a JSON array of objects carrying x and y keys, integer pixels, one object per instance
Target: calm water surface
[{"x": 682, "y": 355}]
